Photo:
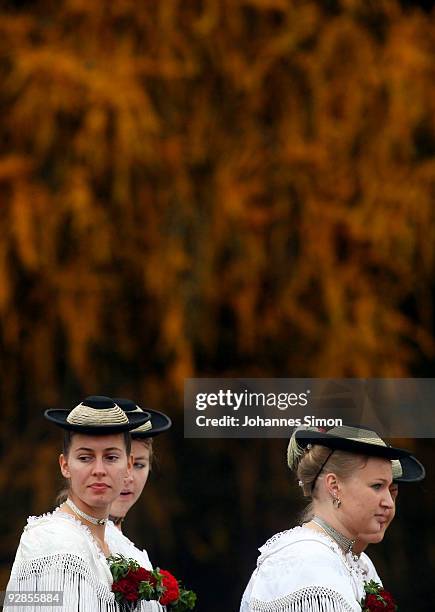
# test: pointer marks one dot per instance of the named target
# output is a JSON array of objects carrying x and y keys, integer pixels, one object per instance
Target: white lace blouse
[
  {"x": 301, "y": 570},
  {"x": 58, "y": 553}
]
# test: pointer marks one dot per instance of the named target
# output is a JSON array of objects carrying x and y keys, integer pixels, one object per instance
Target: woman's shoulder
[
  {"x": 55, "y": 547},
  {"x": 52, "y": 525},
  {"x": 300, "y": 542},
  {"x": 301, "y": 560},
  {"x": 120, "y": 544},
  {"x": 52, "y": 533}
]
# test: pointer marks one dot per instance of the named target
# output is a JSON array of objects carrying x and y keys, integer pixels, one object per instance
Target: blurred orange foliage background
[{"x": 201, "y": 188}]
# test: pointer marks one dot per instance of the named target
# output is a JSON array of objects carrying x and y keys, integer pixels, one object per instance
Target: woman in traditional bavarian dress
[
  {"x": 347, "y": 473},
  {"x": 142, "y": 452},
  {"x": 66, "y": 551},
  {"x": 405, "y": 470}
]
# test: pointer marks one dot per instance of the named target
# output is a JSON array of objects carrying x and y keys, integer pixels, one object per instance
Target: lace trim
[
  {"x": 314, "y": 599},
  {"x": 278, "y": 536}
]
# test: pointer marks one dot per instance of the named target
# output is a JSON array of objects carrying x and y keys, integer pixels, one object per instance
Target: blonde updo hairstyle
[
  {"x": 310, "y": 462},
  {"x": 310, "y": 470}
]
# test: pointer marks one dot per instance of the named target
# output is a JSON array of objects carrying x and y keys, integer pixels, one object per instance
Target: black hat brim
[
  {"x": 59, "y": 416},
  {"x": 305, "y": 437},
  {"x": 160, "y": 422},
  {"x": 412, "y": 470}
]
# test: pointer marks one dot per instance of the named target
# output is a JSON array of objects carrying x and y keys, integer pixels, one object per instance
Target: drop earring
[{"x": 336, "y": 501}]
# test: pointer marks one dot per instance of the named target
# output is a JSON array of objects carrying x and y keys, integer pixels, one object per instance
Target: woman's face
[
  {"x": 135, "y": 481},
  {"x": 96, "y": 467},
  {"x": 364, "y": 539},
  {"x": 367, "y": 506}
]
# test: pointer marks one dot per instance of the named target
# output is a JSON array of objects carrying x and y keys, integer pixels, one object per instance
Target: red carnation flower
[
  {"x": 172, "y": 592},
  {"x": 389, "y": 600},
  {"x": 141, "y": 574},
  {"x": 127, "y": 588},
  {"x": 387, "y": 596},
  {"x": 375, "y": 604}
]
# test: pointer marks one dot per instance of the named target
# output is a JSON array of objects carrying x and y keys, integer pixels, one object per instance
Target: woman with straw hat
[
  {"x": 142, "y": 452},
  {"x": 65, "y": 552},
  {"x": 404, "y": 470},
  {"x": 347, "y": 473}
]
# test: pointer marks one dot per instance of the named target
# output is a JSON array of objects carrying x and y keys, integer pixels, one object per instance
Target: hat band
[
  {"x": 351, "y": 433},
  {"x": 396, "y": 467},
  {"x": 143, "y": 428},
  {"x": 313, "y": 484},
  {"x": 374, "y": 441},
  {"x": 85, "y": 415}
]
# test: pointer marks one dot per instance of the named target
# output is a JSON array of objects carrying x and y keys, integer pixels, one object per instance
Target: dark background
[{"x": 222, "y": 188}]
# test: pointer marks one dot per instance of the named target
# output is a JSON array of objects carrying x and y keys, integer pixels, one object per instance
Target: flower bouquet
[
  {"x": 377, "y": 599},
  {"x": 131, "y": 583}
]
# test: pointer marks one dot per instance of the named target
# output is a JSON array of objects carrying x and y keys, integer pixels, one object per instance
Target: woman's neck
[
  {"x": 346, "y": 544},
  {"x": 331, "y": 518},
  {"x": 99, "y": 513},
  {"x": 98, "y": 532}
]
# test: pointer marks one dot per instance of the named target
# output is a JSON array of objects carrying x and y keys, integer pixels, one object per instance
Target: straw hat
[
  {"x": 358, "y": 440},
  {"x": 159, "y": 422},
  {"x": 408, "y": 469},
  {"x": 97, "y": 415}
]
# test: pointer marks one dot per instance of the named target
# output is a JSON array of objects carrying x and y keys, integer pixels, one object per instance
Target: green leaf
[
  {"x": 372, "y": 587},
  {"x": 186, "y": 601},
  {"x": 146, "y": 591},
  {"x": 120, "y": 566}
]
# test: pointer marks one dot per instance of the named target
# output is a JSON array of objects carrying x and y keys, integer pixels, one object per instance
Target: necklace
[
  {"x": 87, "y": 517},
  {"x": 344, "y": 543}
]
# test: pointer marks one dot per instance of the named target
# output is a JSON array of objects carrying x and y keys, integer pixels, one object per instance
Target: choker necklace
[
  {"x": 87, "y": 517},
  {"x": 344, "y": 543}
]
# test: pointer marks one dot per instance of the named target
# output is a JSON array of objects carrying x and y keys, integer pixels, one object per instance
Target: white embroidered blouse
[
  {"x": 301, "y": 570},
  {"x": 58, "y": 553}
]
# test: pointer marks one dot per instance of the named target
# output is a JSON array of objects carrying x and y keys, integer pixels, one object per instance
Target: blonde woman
[
  {"x": 407, "y": 469},
  {"x": 347, "y": 474}
]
